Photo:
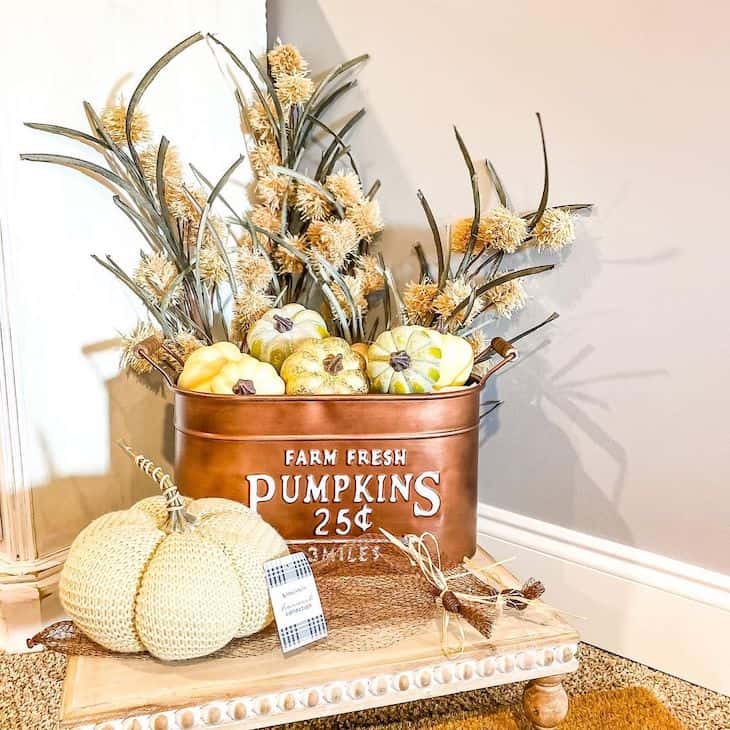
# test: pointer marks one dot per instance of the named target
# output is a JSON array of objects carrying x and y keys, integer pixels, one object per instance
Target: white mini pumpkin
[
  {"x": 278, "y": 333},
  {"x": 177, "y": 577}
]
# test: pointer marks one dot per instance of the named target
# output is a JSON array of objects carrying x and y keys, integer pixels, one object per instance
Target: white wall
[
  {"x": 615, "y": 422},
  {"x": 63, "y": 310}
]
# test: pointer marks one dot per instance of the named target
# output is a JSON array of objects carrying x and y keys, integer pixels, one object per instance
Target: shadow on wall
[
  {"x": 560, "y": 490},
  {"x": 549, "y": 408},
  {"x": 140, "y": 415}
]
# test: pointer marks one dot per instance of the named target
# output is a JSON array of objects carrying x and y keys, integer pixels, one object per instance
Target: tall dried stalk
[{"x": 461, "y": 298}]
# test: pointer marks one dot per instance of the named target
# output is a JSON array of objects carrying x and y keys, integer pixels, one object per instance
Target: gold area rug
[{"x": 635, "y": 708}]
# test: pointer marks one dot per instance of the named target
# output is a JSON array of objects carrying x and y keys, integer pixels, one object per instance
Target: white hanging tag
[{"x": 295, "y": 600}]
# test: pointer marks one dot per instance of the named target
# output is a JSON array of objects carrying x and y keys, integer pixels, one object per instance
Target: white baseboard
[{"x": 669, "y": 615}]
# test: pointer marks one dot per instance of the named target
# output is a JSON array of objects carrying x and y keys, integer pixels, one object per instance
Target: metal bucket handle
[
  {"x": 151, "y": 345},
  {"x": 506, "y": 350}
]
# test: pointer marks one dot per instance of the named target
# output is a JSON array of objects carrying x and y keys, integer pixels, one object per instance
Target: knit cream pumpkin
[{"x": 177, "y": 577}]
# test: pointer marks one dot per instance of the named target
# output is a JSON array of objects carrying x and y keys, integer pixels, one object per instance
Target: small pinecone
[{"x": 533, "y": 589}]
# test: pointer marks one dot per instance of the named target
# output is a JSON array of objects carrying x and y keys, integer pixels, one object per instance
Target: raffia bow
[{"x": 459, "y": 605}]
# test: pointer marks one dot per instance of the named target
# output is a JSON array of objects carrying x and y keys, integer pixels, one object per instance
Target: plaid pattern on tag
[
  {"x": 278, "y": 572},
  {"x": 302, "y": 633},
  {"x": 295, "y": 601}
]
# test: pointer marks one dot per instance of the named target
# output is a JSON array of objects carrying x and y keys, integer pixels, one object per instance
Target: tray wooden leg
[{"x": 545, "y": 702}]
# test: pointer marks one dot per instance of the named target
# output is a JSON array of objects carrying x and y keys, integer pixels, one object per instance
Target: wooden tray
[{"x": 105, "y": 693}]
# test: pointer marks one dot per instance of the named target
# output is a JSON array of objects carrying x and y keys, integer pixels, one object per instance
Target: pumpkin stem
[
  {"x": 333, "y": 364},
  {"x": 400, "y": 360},
  {"x": 282, "y": 324},
  {"x": 179, "y": 519},
  {"x": 244, "y": 387}
]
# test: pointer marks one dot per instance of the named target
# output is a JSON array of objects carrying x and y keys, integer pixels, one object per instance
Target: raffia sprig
[{"x": 423, "y": 552}]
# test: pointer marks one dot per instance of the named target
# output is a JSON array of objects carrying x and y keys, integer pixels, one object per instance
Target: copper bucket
[{"x": 330, "y": 469}]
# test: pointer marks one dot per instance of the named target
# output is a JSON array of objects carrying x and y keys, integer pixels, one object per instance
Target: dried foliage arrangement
[
  {"x": 209, "y": 270},
  {"x": 473, "y": 284}
]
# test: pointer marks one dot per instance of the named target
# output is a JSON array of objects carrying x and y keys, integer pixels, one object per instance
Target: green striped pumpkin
[{"x": 405, "y": 360}]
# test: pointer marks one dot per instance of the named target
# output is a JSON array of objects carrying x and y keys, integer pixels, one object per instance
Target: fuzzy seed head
[
  {"x": 212, "y": 266},
  {"x": 460, "y": 232},
  {"x": 418, "y": 300},
  {"x": 130, "y": 360},
  {"x": 366, "y": 218},
  {"x": 182, "y": 207},
  {"x": 258, "y": 120},
  {"x": 185, "y": 344},
  {"x": 171, "y": 171},
  {"x": 263, "y": 156},
  {"x": 478, "y": 342},
  {"x": 505, "y": 231},
  {"x": 356, "y": 290},
  {"x": 293, "y": 89},
  {"x": 335, "y": 240},
  {"x": 114, "y": 120},
  {"x": 263, "y": 217},
  {"x": 346, "y": 187},
  {"x": 453, "y": 293},
  {"x": 155, "y": 275},
  {"x": 244, "y": 241},
  {"x": 368, "y": 267},
  {"x": 310, "y": 204},
  {"x": 271, "y": 189},
  {"x": 287, "y": 262},
  {"x": 507, "y": 298},
  {"x": 555, "y": 229},
  {"x": 248, "y": 308},
  {"x": 499, "y": 229},
  {"x": 285, "y": 59},
  {"x": 253, "y": 271}
]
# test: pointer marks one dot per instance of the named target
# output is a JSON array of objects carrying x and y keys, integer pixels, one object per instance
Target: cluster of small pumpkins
[{"x": 291, "y": 351}]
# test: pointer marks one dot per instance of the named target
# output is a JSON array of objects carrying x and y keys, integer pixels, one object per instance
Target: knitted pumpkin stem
[{"x": 179, "y": 519}]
